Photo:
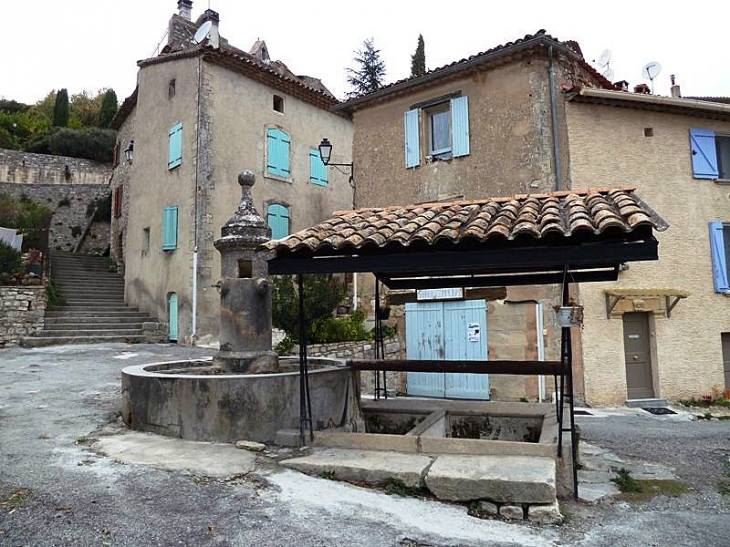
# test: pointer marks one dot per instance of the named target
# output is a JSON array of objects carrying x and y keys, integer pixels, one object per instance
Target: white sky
[{"x": 90, "y": 44}]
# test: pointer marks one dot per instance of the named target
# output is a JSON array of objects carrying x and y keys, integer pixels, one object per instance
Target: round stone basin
[{"x": 198, "y": 401}]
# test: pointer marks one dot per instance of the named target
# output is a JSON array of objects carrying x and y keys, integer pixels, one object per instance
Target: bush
[
  {"x": 9, "y": 260},
  {"x": 339, "y": 329},
  {"x": 54, "y": 295},
  {"x": 26, "y": 217},
  {"x": 92, "y": 144}
]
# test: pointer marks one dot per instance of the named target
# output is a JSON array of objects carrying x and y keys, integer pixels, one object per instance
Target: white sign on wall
[
  {"x": 473, "y": 332},
  {"x": 440, "y": 294}
]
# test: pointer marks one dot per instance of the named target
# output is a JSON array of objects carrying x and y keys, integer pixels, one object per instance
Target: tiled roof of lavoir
[{"x": 480, "y": 222}]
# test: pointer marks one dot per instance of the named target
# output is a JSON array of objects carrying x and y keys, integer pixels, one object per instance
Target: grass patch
[
  {"x": 398, "y": 488},
  {"x": 18, "y": 497},
  {"x": 625, "y": 482},
  {"x": 82, "y": 440},
  {"x": 54, "y": 294},
  {"x": 329, "y": 475},
  {"x": 653, "y": 488}
]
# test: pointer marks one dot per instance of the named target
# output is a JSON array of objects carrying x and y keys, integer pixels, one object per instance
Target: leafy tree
[
  {"x": 109, "y": 107},
  {"x": 12, "y": 107},
  {"x": 85, "y": 110},
  {"x": 370, "y": 71},
  {"x": 93, "y": 144},
  {"x": 418, "y": 59},
  {"x": 8, "y": 140},
  {"x": 27, "y": 217},
  {"x": 61, "y": 109},
  {"x": 44, "y": 107}
]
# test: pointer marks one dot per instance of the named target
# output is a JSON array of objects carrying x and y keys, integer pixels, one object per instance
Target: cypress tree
[
  {"x": 370, "y": 71},
  {"x": 109, "y": 108},
  {"x": 418, "y": 59},
  {"x": 60, "y": 109}
]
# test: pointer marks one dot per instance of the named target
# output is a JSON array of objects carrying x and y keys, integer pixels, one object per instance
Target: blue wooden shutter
[
  {"x": 169, "y": 229},
  {"x": 704, "y": 153},
  {"x": 172, "y": 317},
  {"x": 460, "y": 126},
  {"x": 278, "y": 219},
  {"x": 317, "y": 169},
  {"x": 413, "y": 145},
  {"x": 278, "y": 152},
  {"x": 175, "y": 151},
  {"x": 719, "y": 259}
]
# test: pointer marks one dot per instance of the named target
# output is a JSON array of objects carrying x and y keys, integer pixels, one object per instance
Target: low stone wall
[
  {"x": 21, "y": 313},
  {"x": 27, "y": 168},
  {"x": 363, "y": 349}
]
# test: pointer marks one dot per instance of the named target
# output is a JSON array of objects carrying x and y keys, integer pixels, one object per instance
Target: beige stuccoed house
[
  {"x": 202, "y": 112},
  {"x": 663, "y": 329}
]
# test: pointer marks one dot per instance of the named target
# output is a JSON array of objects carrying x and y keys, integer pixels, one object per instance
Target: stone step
[
  {"x": 94, "y": 309},
  {"x": 93, "y": 303},
  {"x": 43, "y": 341},
  {"x": 75, "y": 313},
  {"x": 95, "y": 295},
  {"x": 646, "y": 403},
  {"x": 96, "y": 324},
  {"x": 71, "y": 321},
  {"x": 91, "y": 332}
]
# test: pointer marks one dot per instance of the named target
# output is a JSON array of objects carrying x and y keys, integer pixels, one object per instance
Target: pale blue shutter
[
  {"x": 460, "y": 126},
  {"x": 317, "y": 169},
  {"x": 719, "y": 259},
  {"x": 278, "y": 220},
  {"x": 172, "y": 318},
  {"x": 413, "y": 146},
  {"x": 175, "y": 146},
  {"x": 278, "y": 152},
  {"x": 704, "y": 153},
  {"x": 169, "y": 228}
]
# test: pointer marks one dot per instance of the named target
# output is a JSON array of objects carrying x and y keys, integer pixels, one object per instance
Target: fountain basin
[{"x": 198, "y": 401}]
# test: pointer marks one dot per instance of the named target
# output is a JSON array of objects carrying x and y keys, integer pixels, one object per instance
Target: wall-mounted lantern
[{"x": 129, "y": 152}]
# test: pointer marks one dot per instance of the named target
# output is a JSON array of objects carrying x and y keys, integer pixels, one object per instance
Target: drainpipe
[
  {"x": 354, "y": 290},
  {"x": 195, "y": 295},
  {"x": 194, "y": 327},
  {"x": 554, "y": 118},
  {"x": 540, "y": 348}
]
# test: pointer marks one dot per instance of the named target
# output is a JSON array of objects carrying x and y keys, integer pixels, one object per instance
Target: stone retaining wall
[
  {"x": 363, "y": 349},
  {"x": 27, "y": 168},
  {"x": 21, "y": 313}
]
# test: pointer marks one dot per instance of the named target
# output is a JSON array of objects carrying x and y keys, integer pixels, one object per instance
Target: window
[
  {"x": 445, "y": 130},
  {"x": 317, "y": 169},
  {"x": 115, "y": 155},
  {"x": 171, "y": 89},
  {"x": 277, "y": 216},
  {"x": 648, "y": 131},
  {"x": 169, "y": 228},
  {"x": 118, "y": 202},
  {"x": 175, "y": 150},
  {"x": 720, "y": 251},
  {"x": 279, "y": 104},
  {"x": 277, "y": 157},
  {"x": 710, "y": 154},
  {"x": 146, "y": 238}
]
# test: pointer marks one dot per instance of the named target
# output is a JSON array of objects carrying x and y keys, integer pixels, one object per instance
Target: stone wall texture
[
  {"x": 21, "y": 313},
  {"x": 608, "y": 148},
  {"x": 28, "y": 168}
]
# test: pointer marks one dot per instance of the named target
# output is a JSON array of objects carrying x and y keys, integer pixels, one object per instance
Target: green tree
[
  {"x": 418, "y": 59},
  {"x": 61, "y": 109},
  {"x": 85, "y": 110},
  {"x": 109, "y": 107},
  {"x": 370, "y": 71}
]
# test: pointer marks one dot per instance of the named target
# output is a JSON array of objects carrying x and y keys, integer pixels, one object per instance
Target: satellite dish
[
  {"x": 651, "y": 70},
  {"x": 608, "y": 74},
  {"x": 203, "y": 32},
  {"x": 604, "y": 58}
]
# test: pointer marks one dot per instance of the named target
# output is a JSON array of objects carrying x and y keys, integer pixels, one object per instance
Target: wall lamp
[
  {"x": 325, "y": 152},
  {"x": 129, "y": 152}
]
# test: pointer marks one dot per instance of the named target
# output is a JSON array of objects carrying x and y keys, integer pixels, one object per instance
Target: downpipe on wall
[
  {"x": 194, "y": 328},
  {"x": 554, "y": 120}
]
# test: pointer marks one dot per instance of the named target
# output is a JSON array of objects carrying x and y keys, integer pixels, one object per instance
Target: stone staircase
[{"x": 94, "y": 310}]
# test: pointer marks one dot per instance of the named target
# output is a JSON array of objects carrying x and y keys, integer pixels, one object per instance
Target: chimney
[
  {"x": 622, "y": 85},
  {"x": 643, "y": 89},
  {"x": 185, "y": 9},
  {"x": 676, "y": 93},
  {"x": 214, "y": 18}
]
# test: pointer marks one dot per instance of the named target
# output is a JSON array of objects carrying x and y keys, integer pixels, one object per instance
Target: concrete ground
[{"x": 58, "y": 488}]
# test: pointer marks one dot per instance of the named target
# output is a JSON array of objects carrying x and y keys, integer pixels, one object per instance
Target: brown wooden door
[{"x": 637, "y": 352}]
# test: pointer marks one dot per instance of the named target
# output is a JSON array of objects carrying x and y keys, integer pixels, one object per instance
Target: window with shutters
[
  {"x": 169, "y": 228},
  {"x": 277, "y": 153},
  {"x": 710, "y": 154},
  {"x": 174, "y": 157},
  {"x": 442, "y": 125},
  {"x": 720, "y": 251},
  {"x": 317, "y": 169},
  {"x": 277, "y": 216},
  {"x": 118, "y": 201}
]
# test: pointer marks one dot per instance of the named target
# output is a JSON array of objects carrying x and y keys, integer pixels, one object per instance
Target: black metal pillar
[
  {"x": 567, "y": 359},
  {"x": 305, "y": 404},
  {"x": 381, "y": 386}
]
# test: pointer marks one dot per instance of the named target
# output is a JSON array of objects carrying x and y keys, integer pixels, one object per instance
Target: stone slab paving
[{"x": 364, "y": 466}]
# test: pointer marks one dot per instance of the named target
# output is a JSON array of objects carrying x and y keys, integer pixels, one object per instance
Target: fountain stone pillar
[{"x": 245, "y": 289}]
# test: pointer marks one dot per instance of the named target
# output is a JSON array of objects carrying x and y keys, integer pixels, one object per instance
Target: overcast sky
[{"x": 91, "y": 44}]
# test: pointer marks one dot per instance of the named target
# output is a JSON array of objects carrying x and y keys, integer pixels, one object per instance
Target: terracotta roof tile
[{"x": 535, "y": 216}]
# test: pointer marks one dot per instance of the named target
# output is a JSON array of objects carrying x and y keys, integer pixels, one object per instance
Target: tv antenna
[
  {"x": 203, "y": 32},
  {"x": 651, "y": 70}
]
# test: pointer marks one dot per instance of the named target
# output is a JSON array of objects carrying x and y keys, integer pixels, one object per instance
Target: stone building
[
  {"x": 203, "y": 111},
  {"x": 481, "y": 126},
  {"x": 663, "y": 329}
]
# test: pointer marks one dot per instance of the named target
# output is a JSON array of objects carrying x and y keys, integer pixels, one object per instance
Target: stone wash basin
[{"x": 197, "y": 400}]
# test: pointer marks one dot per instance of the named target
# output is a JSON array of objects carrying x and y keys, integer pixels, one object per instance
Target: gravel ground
[{"x": 51, "y": 399}]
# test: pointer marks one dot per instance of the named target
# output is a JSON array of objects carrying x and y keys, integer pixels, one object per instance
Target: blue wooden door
[
  {"x": 455, "y": 331},
  {"x": 172, "y": 317}
]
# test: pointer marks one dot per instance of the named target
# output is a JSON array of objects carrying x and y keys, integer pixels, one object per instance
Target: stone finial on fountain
[{"x": 245, "y": 320}]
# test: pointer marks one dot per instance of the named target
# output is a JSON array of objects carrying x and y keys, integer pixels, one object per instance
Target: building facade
[
  {"x": 663, "y": 329},
  {"x": 490, "y": 125},
  {"x": 201, "y": 113}
]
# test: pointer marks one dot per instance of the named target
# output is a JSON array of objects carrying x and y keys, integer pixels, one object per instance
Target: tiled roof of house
[
  {"x": 540, "y": 38},
  {"x": 481, "y": 222}
]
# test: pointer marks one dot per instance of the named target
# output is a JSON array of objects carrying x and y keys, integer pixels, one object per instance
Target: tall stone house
[
  {"x": 489, "y": 125},
  {"x": 663, "y": 329},
  {"x": 202, "y": 112}
]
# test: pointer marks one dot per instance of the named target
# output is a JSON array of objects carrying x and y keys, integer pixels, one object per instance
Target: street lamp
[
  {"x": 129, "y": 152},
  {"x": 325, "y": 153}
]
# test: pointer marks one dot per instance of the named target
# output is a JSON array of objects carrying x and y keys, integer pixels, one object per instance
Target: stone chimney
[
  {"x": 245, "y": 315},
  {"x": 676, "y": 93},
  {"x": 215, "y": 19},
  {"x": 642, "y": 89},
  {"x": 185, "y": 9}
]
